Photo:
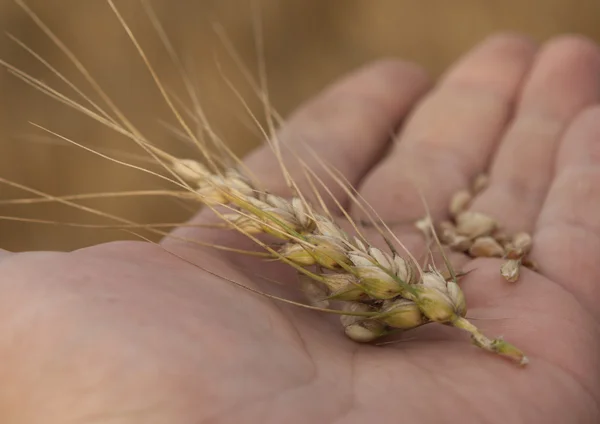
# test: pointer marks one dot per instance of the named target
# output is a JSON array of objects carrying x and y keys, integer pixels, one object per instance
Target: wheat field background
[{"x": 307, "y": 44}]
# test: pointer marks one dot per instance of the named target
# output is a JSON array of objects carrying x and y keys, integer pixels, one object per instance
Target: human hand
[{"x": 127, "y": 332}]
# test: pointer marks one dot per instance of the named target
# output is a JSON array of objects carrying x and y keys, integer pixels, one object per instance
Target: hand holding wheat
[{"x": 126, "y": 333}]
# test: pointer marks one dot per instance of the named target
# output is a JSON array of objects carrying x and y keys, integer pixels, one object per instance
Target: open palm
[{"x": 128, "y": 332}]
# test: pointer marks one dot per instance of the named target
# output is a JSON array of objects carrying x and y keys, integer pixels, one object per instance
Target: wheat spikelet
[{"x": 378, "y": 291}]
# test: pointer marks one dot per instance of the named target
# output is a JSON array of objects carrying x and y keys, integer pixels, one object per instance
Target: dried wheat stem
[{"x": 497, "y": 345}]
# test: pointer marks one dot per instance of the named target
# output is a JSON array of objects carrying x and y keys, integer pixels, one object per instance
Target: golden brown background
[{"x": 307, "y": 44}]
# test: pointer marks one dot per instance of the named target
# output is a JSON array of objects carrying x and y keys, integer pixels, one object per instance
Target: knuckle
[
  {"x": 510, "y": 39},
  {"x": 390, "y": 67},
  {"x": 572, "y": 45}
]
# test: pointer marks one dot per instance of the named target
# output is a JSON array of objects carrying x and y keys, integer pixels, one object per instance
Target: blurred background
[{"x": 307, "y": 44}]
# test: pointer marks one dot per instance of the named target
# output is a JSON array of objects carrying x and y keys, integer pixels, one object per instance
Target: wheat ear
[{"x": 364, "y": 278}]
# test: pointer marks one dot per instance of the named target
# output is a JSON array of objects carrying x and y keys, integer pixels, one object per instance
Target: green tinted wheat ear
[{"x": 391, "y": 292}]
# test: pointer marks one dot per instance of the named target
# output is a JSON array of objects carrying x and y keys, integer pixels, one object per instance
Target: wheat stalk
[{"x": 376, "y": 292}]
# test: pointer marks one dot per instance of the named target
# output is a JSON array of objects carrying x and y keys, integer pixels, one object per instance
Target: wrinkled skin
[{"x": 129, "y": 333}]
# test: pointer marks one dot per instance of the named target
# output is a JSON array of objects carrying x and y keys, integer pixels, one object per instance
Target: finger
[
  {"x": 449, "y": 137},
  {"x": 567, "y": 237},
  {"x": 348, "y": 126},
  {"x": 564, "y": 80}
]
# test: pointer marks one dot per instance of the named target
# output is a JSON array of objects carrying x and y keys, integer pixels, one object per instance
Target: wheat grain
[{"x": 480, "y": 235}]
